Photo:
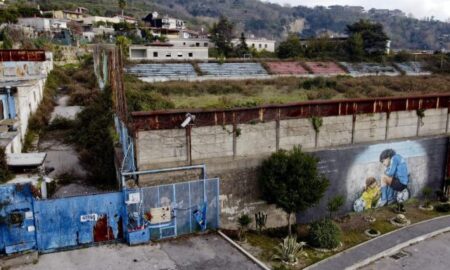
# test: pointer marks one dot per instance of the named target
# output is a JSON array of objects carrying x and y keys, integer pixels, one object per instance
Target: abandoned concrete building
[{"x": 22, "y": 78}]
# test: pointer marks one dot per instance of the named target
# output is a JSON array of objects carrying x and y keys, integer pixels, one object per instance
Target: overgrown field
[{"x": 249, "y": 93}]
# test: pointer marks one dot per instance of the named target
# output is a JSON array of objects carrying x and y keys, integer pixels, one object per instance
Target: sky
[{"x": 440, "y": 9}]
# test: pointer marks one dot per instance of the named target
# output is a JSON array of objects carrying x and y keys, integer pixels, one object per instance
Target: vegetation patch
[{"x": 144, "y": 96}]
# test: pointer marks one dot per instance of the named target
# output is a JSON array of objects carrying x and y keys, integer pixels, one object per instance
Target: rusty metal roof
[{"x": 22, "y": 55}]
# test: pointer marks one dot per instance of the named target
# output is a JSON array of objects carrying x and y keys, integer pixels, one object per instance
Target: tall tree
[
  {"x": 290, "y": 48},
  {"x": 242, "y": 47},
  {"x": 291, "y": 180},
  {"x": 355, "y": 47},
  {"x": 122, "y": 5},
  {"x": 373, "y": 36},
  {"x": 222, "y": 34}
]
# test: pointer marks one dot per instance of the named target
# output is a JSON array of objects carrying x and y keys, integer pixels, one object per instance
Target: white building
[
  {"x": 43, "y": 24},
  {"x": 21, "y": 91},
  {"x": 164, "y": 53},
  {"x": 91, "y": 20},
  {"x": 258, "y": 44},
  {"x": 191, "y": 42}
]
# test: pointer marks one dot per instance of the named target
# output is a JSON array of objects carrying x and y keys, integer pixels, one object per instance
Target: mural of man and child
[{"x": 392, "y": 187}]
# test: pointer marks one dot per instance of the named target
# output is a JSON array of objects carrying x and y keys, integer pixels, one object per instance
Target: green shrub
[
  {"x": 318, "y": 82},
  {"x": 334, "y": 204},
  {"x": 324, "y": 234},
  {"x": 243, "y": 222},
  {"x": 92, "y": 137},
  {"x": 443, "y": 208},
  {"x": 5, "y": 174},
  {"x": 60, "y": 123}
]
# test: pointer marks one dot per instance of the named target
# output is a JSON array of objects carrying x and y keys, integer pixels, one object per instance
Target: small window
[
  {"x": 253, "y": 45},
  {"x": 155, "y": 54},
  {"x": 168, "y": 55},
  {"x": 265, "y": 46},
  {"x": 197, "y": 44},
  {"x": 184, "y": 43},
  {"x": 180, "y": 54},
  {"x": 191, "y": 54},
  {"x": 206, "y": 44},
  {"x": 260, "y": 46}
]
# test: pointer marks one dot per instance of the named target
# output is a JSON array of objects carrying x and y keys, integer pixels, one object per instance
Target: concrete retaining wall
[{"x": 233, "y": 154}]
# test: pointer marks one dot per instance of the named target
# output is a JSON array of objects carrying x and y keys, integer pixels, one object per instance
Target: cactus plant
[{"x": 260, "y": 221}]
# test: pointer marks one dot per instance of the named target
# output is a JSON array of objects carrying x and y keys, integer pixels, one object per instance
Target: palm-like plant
[
  {"x": 289, "y": 250},
  {"x": 122, "y": 5}
]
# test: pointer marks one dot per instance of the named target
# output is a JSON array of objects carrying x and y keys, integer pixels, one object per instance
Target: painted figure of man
[{"x": 396, "y": 176}]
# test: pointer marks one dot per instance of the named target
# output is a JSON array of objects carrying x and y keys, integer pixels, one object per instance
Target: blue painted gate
[
  {"x": 75, "y": 221},
  {"x": 49, "y": 225}
]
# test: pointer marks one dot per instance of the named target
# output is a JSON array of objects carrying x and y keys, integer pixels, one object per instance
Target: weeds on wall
[
  {"x": 5, "y": 173},
  {"x": 317, "y": 123}
]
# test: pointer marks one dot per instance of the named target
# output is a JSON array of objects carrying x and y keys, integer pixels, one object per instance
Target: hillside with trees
[{"x": 274, "y": 21}]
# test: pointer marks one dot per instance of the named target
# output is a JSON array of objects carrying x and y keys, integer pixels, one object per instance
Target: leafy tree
[
  {"x": 122, "y": 5},
  {"x": 222, "y": 34},
  {"x": 291, "y": 180},
  {"x": 290, "y": 48},
  {"x": 242, "y": 48},
  {"x": 373, "y": 36},
  {"x": 7, "y": 41},
  {"x": 355, "y": 47}
]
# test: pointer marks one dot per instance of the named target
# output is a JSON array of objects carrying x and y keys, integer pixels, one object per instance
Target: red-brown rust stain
[
  {"x": 103, "y": 232},
  {"x": 172, "y": 119}
]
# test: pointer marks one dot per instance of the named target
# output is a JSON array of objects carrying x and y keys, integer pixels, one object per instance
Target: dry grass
[{"x": 249, "y": 93}]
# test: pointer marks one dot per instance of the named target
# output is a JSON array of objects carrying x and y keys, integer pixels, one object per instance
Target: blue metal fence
[{"x": 184, "y": 200}]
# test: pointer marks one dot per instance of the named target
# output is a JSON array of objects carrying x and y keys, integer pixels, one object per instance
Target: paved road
[
  {"x": 431, "y": 254},
  {"x": 358, "y": 254},
  {"x": 201, "y": 252}
]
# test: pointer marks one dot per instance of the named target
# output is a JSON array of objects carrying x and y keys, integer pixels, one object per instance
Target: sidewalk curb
[
  {"x": 397, "y": 248},
  {"x": 250, "y": 256},
  {"x": 388, "y": 251}
]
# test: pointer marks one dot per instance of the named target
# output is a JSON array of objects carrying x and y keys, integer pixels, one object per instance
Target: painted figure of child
[
  {"x": 371, "y": 193},
  {"x": 396, "y": 176}
]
